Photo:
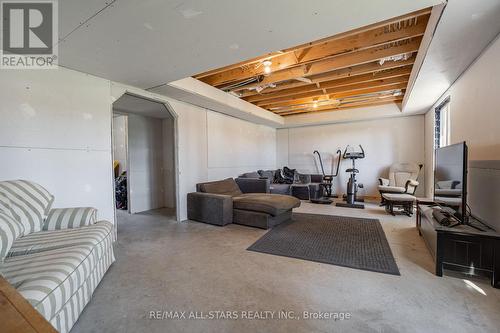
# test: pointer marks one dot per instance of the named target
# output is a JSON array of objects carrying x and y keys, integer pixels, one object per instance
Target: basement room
[{"x": 226, "y": 166}]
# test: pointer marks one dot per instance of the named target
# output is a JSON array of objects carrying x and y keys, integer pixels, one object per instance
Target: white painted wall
[
  {"x": 145, "y": 171},
  {"x": 236, "y": 146},
  {"x": 385, "y": 141},
  {"x": 474, "y": 110},
  {"x": 55, "y": 129},
  {"x": 120, "y": 141},
  {"x": 211, "y": 145},
  {"x": 214, "y": 146},
  {"x": 168, "y": 140},
  {"x": 429, "y": 153}
]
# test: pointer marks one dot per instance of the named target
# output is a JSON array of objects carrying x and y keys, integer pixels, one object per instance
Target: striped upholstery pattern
[
  {"x": 49, "y": 279},
  {"x": 56, "y": 239},
  {"x": 68, "y": 315},
  {"x": 29, "y": 201},
  {"x": 10, "y": 229},
  {"x": 64, "y": 218},
  {"x": 5, "y": 205}
]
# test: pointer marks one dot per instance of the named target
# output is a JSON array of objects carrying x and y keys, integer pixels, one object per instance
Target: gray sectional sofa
[
  {"x": 55, "y": 258},
  {"x": 241, "y": 201},
  {"x": 298, "y": 187}
]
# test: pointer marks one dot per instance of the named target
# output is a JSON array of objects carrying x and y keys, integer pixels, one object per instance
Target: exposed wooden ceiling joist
[
  {"x": 349, "y": 106},
  {"x": 332, "y": 84},
  {"x": 345, "y": 60},
  {"x": 336, "y": 90},
  {"x": 351, "y": 71},
  {"x": 325, "y": 104},
  {"x": 311, "y": 100}
]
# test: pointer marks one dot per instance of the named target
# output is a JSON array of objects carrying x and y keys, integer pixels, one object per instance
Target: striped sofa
[{"x": 55, "y": 258}]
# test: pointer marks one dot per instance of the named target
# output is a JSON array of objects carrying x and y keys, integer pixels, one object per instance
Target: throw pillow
[
  {"x": 289, "y": 175},
  {"x": 68, "y": 218},
  {"x": 269, "y": 174},
  {"x": 29, "y": 203}
]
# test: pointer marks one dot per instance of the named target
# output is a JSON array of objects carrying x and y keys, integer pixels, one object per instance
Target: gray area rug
[{"x": 337, "y": 240}]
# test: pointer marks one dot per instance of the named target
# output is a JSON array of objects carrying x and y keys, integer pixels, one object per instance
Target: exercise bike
[
  {"x": 327, "y": 182},
  {"x": 352, "y": 185}
]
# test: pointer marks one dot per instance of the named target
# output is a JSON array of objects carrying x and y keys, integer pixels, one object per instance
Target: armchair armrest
[
  {"x": 384, "y": 181},
  {"x": 210, "y": 208},
  {"x": 68, "y": 218},
  {"x": 411, "y": 186},
  {"x": 253, "y": 185}
]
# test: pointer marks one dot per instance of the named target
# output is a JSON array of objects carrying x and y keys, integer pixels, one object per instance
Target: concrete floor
[{"x": 167, "y": 266}]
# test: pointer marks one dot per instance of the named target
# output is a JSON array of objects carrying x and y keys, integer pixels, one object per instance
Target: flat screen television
[{"x": 450, "y": 179}]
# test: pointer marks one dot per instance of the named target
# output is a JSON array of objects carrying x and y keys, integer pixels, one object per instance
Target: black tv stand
[{"x": 462, "y": 248}]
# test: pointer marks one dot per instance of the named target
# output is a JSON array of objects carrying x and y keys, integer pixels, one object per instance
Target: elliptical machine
[
  {"x": 352, "y": 185},
  {"x": 327, "y": 183}
]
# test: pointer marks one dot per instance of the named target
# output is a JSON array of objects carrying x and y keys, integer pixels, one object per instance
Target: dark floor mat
[{"x": 337, "y": 240}]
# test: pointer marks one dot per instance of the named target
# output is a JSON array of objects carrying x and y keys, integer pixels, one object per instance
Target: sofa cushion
[
  {"x": 227, "y": 186},
  {"x": 30, "y": 203},
  {"x": 253, "y": 174},
  {"x": 48, "y": 279},
  {"x": 10, "y": 230},
  {"x": 272, "y": 204},
  {"x": 50, "y": 240},
  {"x": 66, "y": 218},
  {"x": 280, "y": 189},
  {"x": 5, "y": 205},
  {"x": 392, "y": 189},
  {"x": 399, "y": 197}
]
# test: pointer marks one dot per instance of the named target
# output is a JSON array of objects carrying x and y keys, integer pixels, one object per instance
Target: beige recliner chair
[{"x": 402, "y": 179}]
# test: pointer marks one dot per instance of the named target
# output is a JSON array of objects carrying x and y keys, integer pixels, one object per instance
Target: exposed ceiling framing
[{"x": 362, "y": 67}]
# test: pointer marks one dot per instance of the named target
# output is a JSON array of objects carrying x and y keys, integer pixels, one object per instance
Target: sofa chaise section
[
  {"x": 48, "y": 279},
  {"x": 263, "y": 210},
  {"x": 241, "y": 201}
]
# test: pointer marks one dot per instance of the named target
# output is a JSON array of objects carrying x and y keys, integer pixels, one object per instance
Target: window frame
[{"x": 442, "y": 124}]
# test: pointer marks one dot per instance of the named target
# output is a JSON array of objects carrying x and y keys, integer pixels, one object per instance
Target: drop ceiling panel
[{"x": 73, "y": 13}]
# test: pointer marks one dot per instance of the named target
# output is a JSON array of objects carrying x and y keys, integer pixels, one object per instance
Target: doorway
[{"x": 144, "y": 157}]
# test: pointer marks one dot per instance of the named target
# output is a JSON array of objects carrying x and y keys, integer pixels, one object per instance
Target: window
[{"x": 442, "y": 124}]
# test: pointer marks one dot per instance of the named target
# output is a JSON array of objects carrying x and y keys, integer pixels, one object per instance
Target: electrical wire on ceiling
[{"x": 236, "y": 85}]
